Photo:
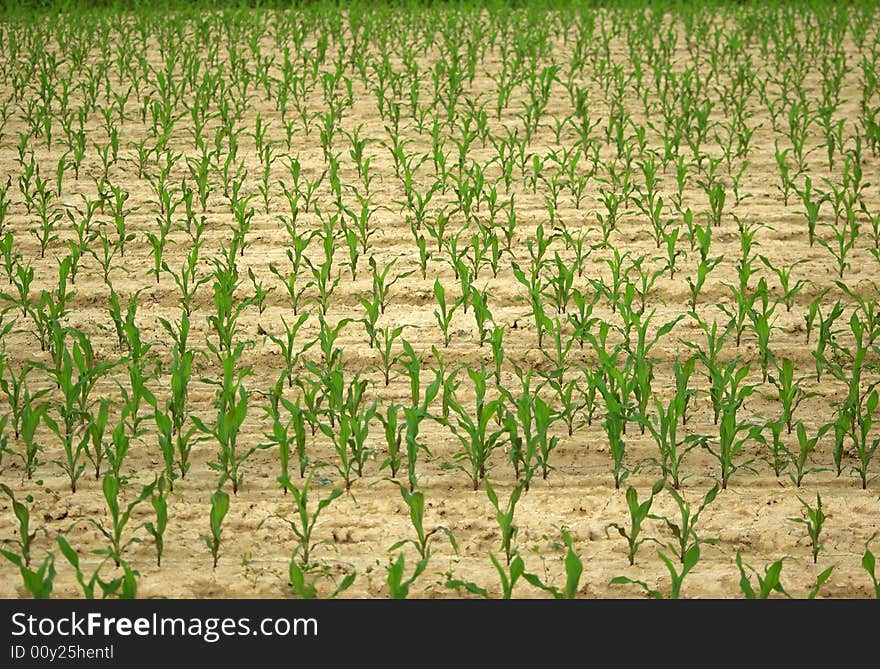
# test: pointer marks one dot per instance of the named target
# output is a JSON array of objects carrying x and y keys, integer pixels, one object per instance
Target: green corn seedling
[
  {"x": 615, "y": 385},
  {"x": 445, "y": 313},
  {"x": 505, "y": 517},
  {"x": 282, "y": 438},
  {"x": 477, "y": 440},
  {"x": 767, "y": 584},
  {"x": 806, "y": 446},
  {"x": 371, "y": 308},
  {"x": 865, "y": 446},
  {"x": 123, "y": 587},
  {"x": 117, "y": 450},
  {"x": 385, "y": 338},
  {"x": 508, "y": 576},
  {"x": 696, "y": 284},
  {"x": 415, "y": 502},
  {"x": 783, "y": 273},
  {"x": 393, "y": 431},
  {"x": 37, "y": 582},
  {"x": 523, "y": 449},
  {"x": 288, "y": 347},
  {"x": 869, "y": 563},
  {"x": 543, "y": 418},
  {"x": 789, "y": 390},
  {"x": 684, "y": 532},
  {"x": 763, "y": 326},
  {"x": 306, "y": 518},
  {"x": 219, "y": 509},
  {"x": 574, "y": 568},
  {"x": 304, "y": 586},
  {"x": 812, "y": 206},
  {"x": 775, "y": 444},
  {"x": 663, "y": 426},
  {"x": 95, "y": 448},
  {"x": 730, "y": 444},
  {"x": 119, "y": 517},
  {"x": 232, "y": 406},
  {"x": 638, "y": 513},
  {"x": 482, "y": 314},
  {"x": 159, "y": 502},
  {"x": 25, "y": 536},
  {"x": 412, "y": 367},
  {"x": 691, "y": 557},
  {"x": 814, "y": 521},
  {"x": 398, "y": 586},
  {"x": 30, "y": 417}
]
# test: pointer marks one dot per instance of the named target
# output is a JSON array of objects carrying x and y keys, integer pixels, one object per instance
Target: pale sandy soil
[{"x": 358, "y": 529}]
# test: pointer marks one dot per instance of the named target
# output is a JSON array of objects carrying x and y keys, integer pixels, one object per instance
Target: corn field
[{"x": 440, "y": 300}]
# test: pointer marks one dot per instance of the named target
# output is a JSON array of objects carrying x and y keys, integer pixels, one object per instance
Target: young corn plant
[
  {"x": 615, "y": 385},
  {"x": 535, "y": 287},
  {"x": 642, "y": 362},
  {"x": 522, "y": 447},
  {"x": 382, "y": 284},
  {"x": 415, "y": 502},
  {"x": 775, "y": 444},
  {"x": 227, "y": 307},
  {"x": 398, "y": 584},
  {"x": 825, "y": 335},
  {"x": 788, "y": 292},
  {"x": 482, "y": 315},
  {"x": 289, "y": 348},
  {"x": 768, "y": 583},
  {"x": 812, "y": 206},
  {"x": 869, "y": 563},
  {"x": 122, "y": 587},
  {"x": 306, "y": 518},
  {"x": 67, "y": 429},
  {"x": 508, "y": 576},
  {"x": 282, "y": 438},
  {"x": 393, "y": 431},
  {"x": 744, "y": 296},
  {"x": 763, "y": 325},
  {"x": 38, "y": 582},
  {"x": 473, "y": 431},
  {"x": 696, "y": 284},
  {"x": 444, "y": 313},
  {"x": 117, "y": 450},
  {"x": 354, "y": 420},
  {"x": 504, "y": 517},
  {"x": 574, "y": 568},
  {"x": 790, "y": 391},
  {"x": 219, "y": 509},
  {"x": 844, "y": 240},
  {"x": 95, "y": 448},
  {"x": 232, "y": 406},
  {"x": 25, "y": 536},
  {"x": 385, "y": 338},
  {"x": 120, "y": 516},
  {"x": 806, "y": 446},
  {"x": 303, "y": 581},
  {"x": 543, "y": 419},
  {"x": 30, "y": 416},
  {"x": 730, "y": 443},
  {"x": 814, "y": 521},
  {"x": 684, "y": 531},
  {"x": 414, "y": 417},
  {"x": 638, "y": 513},
  {"x": 690, "y": 560},
  {"x": 159, "y": 502}
]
